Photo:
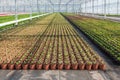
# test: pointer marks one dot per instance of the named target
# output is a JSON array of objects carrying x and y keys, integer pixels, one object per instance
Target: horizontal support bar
[{"x": 17, "y": 21}]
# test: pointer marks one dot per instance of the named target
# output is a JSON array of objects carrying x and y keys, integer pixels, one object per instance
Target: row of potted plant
[{"x": 102, "y": 35}]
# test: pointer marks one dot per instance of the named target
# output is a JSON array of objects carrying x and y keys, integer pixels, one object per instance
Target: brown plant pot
[
  {"x": 32, "y": 66},
  {"x": 46, "y": 66},
  {"x": 11, "y": 66},
  {"x": 4, "y": 66},
  {"x": 95, "y": 66},
  {"x": 88, "y": 66},
  {"x": 67, "y": 66},
  {"x": 18, "y": 66},
  {"x": 39, "y": 66},
  {"x": 60, "y": 66},
  {"x": 102, "y": 67},
  {"x": 81, "y": 66},
  {"x": 53, "y": 66},
  {"x": 25, "y": 66},
  {"x": 75, "y": 66}
]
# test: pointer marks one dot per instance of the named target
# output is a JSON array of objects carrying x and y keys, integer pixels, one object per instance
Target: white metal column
[
  {"x": 97, "y": 8},
  {"x": 104, "y": 9},
  {"x": 30, "y": 9},
  {"x": 85, "y": 8},
  {"x": 16, "y": 13},
  {"x": 92, "y": 7},
  {"x": 38, "y": 8},
  {"x": 118, "y": 7},
  {"x": 80, "y": 8}
]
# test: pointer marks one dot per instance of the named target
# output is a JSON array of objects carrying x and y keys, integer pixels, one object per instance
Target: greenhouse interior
[{"x": 59, "y": 39}]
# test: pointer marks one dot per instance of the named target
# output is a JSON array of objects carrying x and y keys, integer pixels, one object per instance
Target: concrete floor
[{"x": 58, "y": 75}]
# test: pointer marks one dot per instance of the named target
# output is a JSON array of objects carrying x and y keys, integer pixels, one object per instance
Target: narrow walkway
[{"x": 57, "y": 75}]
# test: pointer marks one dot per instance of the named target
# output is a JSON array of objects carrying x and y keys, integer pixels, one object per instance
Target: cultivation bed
[
  {"x": 12, "y": 49},
  {"x": 106, "y": 38},
  {"x": 55, "y": 45}
]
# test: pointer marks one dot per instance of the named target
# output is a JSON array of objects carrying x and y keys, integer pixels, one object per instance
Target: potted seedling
[
  {"x": 67, "y": 65},
  {"x": 60, "y": 65},
  {"x": 88, "y": 65},
  {"x": 32, "y": 65},
  {"x": 4, "y": 65},
  {"x": 81, "y": 65},
  {"x": 95, "y": 65},
  {"x": 74, "y": 64},
  {"x": 53, "y": 65},
  {"x": 46, "y": 65},
  {"x": 18, "y": 65},
  {"x": 11, "y": 65},
  {"x": 39, "y": 65},
  {"x": 102, "y": 65},
  {"x": 25, "y": 65}
]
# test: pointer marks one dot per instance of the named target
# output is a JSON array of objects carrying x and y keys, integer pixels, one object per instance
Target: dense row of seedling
[
  {"x": 58, "y": 47},
  {"x": 104, "y": 33},
  {"x": 16, "y": 43}
]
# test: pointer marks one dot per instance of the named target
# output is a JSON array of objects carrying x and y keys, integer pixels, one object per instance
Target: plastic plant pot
[
  {"x": 46, "y": 66},
  {"x": 24, "y": 66},
  {"x": 81, "y": 65},
  {"x": 32, "y": 66},
  {"x": 60, "y": 66},
  {"x": 102, "y": 67},
  {"x": 18, "y": 66},
  {"x": 4, "y": 66},
  {"x": 88, "y": 65},
  {"x": 95, "y": 66},
  {"x": 39, "y": 66},
  {"x": 67, "y": 66},
  {"x": 53, "y": 66},
  {"x": 11, "y": 66},
  {"x": 75, "y": 66}
]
